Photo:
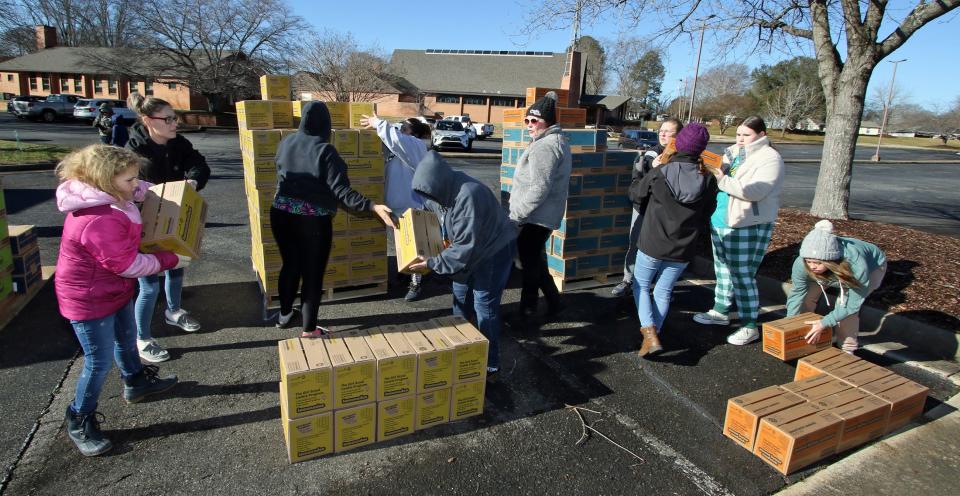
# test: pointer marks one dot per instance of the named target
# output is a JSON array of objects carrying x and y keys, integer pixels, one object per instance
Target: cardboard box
[
  {"x": 396, "y": 374},
  {"x": 26, "y": 262},
  {"x": 275, "y": 87},
  {"x": 308, "y": 437},
  {"x": 744, "y": 412},
  {"x": 353, "y": 382},
  {"x": 346, "y": 141},
  {"x": 259, "y": 144},
  {"x": 571, "y": 117},
  {"x": 433, "y": 408},
  {"x": 535, "y": 93},
  {"x": 306, "y": 383},
  {"x": 866, "y": 376},
  {"x": 884, "y": 384},
  {"x": 365, "y": 169},
  {"x": 797, "y": 437},
  {"x": 444, "y": 350},
  {"x": 863, "y": 420},
  {"x": 358, "y": 110},
  {"x": 396, "y": 417},
  {"x": 174, "y": 215},
  {"x": 354, "y": 427},
  {"x": 23, "y": 238},
  {"x": 832, "y": 387},
  {"x": 255, "y": 114},
  {"x": 840, "y": 399},
  {"x": 784, "y": 338},
  {"x": 804, "y": 365},
  {"x": 370, "y": 144},
  {"x": 6, "y": 256},
  {"x": 434, "y": 367},
  {"x": 282, "y": 114},
  {"x": 418, "y": 235},
  {"x": 906, "y": 403},
  {"x": 514, "y": 116},
  {"x": 471, "y": 348},
  {"x": 368, "y": 269},
  {"x": 808, "y": 368},
  {"x": 809, "y": 382},
  {"x": 22, "y": 283},
  {"x": 339, "y": 114},
  {"x": 467, "y": 399},
  {"x": 842, "y": 371}
]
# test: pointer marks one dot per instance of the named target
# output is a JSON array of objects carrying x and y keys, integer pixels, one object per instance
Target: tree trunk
[{"x": 845, "y": 109}]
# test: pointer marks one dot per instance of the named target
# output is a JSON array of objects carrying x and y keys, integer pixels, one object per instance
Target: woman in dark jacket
[
  {"x": 311, "y": 181},
  {"x": 676, "y": 200},
  {"x": 170, "y": 157}
]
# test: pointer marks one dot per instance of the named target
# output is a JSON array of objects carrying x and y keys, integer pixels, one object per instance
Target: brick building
[{"x": 74, "y": 70}]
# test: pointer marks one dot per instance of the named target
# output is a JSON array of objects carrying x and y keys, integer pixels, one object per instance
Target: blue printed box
[
  {"x": 587, "y": 160},
  {"x": 621, "y": 221},
  {"x": 590, "y": 224},
  {"x": 578, "y": 266},
  {"x": 616, "y": 200},
  {"x": 26, "y": 262},
  {"x": 600, "y": 182},
  {"x": 623, "y": 182},
  {"x": 507, "y": 171},
  {"x": 505, "y": 156},
  {"x": 584, "y": 203},
  {"x": 515, "y": 137},
  {"x": 585, "y": 137},
  {"x": 615, "y": 240},
  {"x": 576, "y": 186},
  {"x": 568, "y": 247},
  {"x": 620, "y": 159}
]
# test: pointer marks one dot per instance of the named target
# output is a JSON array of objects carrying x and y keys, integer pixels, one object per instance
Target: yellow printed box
[
  {"x": 305, "y": 377},
  {"x": 365, "y": 169},
  {"x": 261, "y": 173},
  {"x": 396, "y": 417},
  {"x": 368, "y": 268},
  {"x": 433, "y": 408},
  {"x": 470, "y": 348},
  {"x": 275, "y": 87},
  {"x": 361, "y": 244},
  {"x": 373, "y": 191},
  {"x": 336, "y": 274},
  {"x": 354, "y": 427},
  {"x": 354, "y": 382},
  {"x": 434, "y": 366},
  {"x": 308, "y": 437},
  {"x": 396, "y": 373},
  {"x": 346, "y": 141},
  {"x": 174, "y": 215},
  {"x": 418, "y": 235},
  {"x": 254, "y": 114},
  {"x": 358, "y": 110},
  {"x": 259, "y": 144},
  {"x": 370, "y": 144},
  {"x": 282, "y": 114},
  {"x": 339, "y": 114},
  {"x": 467, "y": 399}
]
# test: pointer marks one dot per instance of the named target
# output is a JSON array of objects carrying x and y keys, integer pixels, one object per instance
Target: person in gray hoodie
[
  {"x": 675, "y": 200},
  {"x": 481, "y": 245},
  {"x": 538, "y": 200}
]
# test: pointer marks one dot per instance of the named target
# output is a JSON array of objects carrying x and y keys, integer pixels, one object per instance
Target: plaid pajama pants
[{"x": 737, "y": 253}]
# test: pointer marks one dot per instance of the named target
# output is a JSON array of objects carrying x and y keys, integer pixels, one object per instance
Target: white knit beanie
[{"x": 821, "y": 243}]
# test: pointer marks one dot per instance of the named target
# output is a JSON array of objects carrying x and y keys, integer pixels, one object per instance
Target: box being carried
[
  {"x": 418, "y": 235},
  {"x": 174, "y": 215},
  {"x": 785, "y": 340}
]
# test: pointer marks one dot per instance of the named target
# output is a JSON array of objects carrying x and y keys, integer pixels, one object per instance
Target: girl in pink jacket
[{"x": 96, "y": 280}]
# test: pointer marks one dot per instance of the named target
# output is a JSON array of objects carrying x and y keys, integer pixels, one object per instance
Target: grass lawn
[
  {"x": 11, "y": 154},
  {"x": 934, "y": 144}
]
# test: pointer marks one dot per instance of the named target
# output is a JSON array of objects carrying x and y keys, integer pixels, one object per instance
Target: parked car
[
  {"x": 638, "y": 139},
  {"x": 480, "y": 130},
  {"x": 89, "y": 109},
  {"x": 450, "y": 134},
  {"x": 22, "y": 98},
  {"x": 48, "y": 109}
]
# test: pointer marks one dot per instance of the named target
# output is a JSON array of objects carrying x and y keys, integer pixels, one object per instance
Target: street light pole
[
  {"x": 682, "y": 104},
  {"x": 696, "y": 70},
  {"x": 883, "y": 123}
]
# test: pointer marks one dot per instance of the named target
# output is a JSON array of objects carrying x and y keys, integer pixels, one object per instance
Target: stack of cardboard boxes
[
  {"x": 594, "y": 234},
  {"x": 354, "y": 388},
  {"x": 358, "y": 256},
  {"x": 21, "y": 274},
  {"x": 836, "y": 402},
  {"x": 6, "y": 258}
]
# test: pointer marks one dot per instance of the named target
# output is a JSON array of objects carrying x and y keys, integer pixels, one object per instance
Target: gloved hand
[{"x": 182, "y": 261}]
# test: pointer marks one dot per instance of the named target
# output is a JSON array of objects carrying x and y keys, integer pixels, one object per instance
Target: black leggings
[
  {"x": 304, "y": 242},
  {"x": 536, "y": 277}
]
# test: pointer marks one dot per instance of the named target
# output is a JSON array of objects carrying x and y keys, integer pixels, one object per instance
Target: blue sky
[{"x": 929, "y": 76}]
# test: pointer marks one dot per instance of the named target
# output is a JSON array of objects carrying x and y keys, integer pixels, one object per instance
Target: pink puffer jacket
[{"x": 99, "y": 259}]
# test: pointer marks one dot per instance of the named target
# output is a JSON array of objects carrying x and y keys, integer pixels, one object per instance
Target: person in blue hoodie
[
  {"x": 481, "y": 245},
  {"x": 311, "y": 181},
  {"x": 675, "y": 200},
  {"x": 119, "y": 135}
]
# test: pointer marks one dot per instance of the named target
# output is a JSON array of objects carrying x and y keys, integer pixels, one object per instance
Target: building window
[
  {"x": 98, "y": 86},
  {"x": 448, "y": 99},
  {"x": 45, "y": 81},
  {"x": 148, "y": 88},
  {"x": 64, "y": 84},
  {"x": 112, "y": 84},
  {"x": 475, "y": 100},
  {"x": 9, "y": 77},
  {"x": 498, "y": 101},
  {"x": 77, "y": 84},
  {"x": 171, "y": 86},
  {"x": 33, "y": 83}
]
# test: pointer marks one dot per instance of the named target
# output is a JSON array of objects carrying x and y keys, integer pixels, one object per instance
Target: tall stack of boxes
[
  {"x": 836, "y": 402},
  {"x": 358, "y": 256},
  {"x": 594, "y": 235},
  {"x": 6, "y": 257},
  {"x": 25, "y": 255},
  {"x": 354, "y": 388}
]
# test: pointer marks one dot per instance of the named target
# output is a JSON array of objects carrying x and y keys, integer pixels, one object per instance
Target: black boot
[
  {"x": 146, "y": 382},
  {"x": 84, "y": 431}
]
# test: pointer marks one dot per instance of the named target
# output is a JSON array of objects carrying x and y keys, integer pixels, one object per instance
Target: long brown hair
[
  {"x": 836, "y": 269},
  {"x": 146, "y": 106}
]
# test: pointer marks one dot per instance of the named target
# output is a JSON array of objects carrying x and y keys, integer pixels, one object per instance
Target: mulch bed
[{"x": 923, "y": 269}]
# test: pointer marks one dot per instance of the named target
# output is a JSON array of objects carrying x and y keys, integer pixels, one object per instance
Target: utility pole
[
  {"x": 883, "y": 123},
  {"x": 696, "y": 70}
]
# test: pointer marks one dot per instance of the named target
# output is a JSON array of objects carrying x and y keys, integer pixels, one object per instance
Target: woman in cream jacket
[{"x": 750, "y": 183}]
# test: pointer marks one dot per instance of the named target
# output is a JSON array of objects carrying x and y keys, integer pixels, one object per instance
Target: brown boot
[{"x": 651, "y": 343}]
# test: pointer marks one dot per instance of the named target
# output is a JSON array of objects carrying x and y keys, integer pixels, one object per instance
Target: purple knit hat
[{"x": 692, "y": 139}]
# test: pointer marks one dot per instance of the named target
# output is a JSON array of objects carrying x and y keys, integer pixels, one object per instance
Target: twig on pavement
[{"x": 585, "y": 435}]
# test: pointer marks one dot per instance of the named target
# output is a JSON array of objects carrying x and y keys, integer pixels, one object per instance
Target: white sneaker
[
  {"x": 152, "y": 352},
  {"x": 744, "y": 335},
  {"x": 711, "y": 317},
  {"x": 181, "y": 319}
]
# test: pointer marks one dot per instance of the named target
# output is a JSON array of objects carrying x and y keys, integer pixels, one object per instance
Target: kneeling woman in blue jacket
[
  {"x": 481, "y": 245},
  {"x": 854, "y": 266}
]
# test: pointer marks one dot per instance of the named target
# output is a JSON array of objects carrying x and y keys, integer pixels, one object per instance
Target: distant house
[
  {"x": 394, "y": 96},
  {"x": 54, "y": 69},
  {"x": 869, "y": 128}
]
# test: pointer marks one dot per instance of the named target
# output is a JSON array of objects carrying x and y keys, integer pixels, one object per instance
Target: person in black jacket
[
  {"x": 169, "y": 157},
  {"x": 641, "y": 166},
  {"x": 311, "y": 181},
  {"x": 676, "y": 200}
]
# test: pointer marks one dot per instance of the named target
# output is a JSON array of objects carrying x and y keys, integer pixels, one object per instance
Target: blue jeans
[
  {"x": 647, "y": 272},
  {"x": 147, "y": 298},
  {"x": 104, "y": 340},
  {"x": 478, "y": 299}
]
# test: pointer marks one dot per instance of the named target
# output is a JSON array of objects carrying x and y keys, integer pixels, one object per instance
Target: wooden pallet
[
  {"x": 17, "y": 302},
  {"x": 587, "y": 282},
  {"x": 350, "y": 292}
]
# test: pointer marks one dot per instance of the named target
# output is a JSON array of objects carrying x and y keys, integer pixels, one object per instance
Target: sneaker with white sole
[
  {"x": 182, "y": 319},
  {"x": 744, "y": 335},
  {"x": 284, "y": 321},
  {"x": 152, "y": 352},
  {"x": 622, "y": 289},
  {"x": 711, "y": 317}
]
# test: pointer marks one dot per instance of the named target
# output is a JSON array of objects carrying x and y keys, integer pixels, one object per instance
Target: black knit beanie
[{"x": 545, "y": 108}]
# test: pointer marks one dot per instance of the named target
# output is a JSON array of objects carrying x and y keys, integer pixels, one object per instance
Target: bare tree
[
  {"x": 829, "y": 26},
  {"x": 100, "y": 23},
  {"x": 878, "y": 101},
  {"x": 335, "y": 64},
  {"x": 790, "y": 104}
]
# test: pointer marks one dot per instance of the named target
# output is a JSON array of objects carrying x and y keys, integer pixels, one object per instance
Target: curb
[{"x": 43, "y": 166}]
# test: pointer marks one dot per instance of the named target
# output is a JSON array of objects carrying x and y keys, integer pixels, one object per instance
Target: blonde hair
[
  {"x": 839, "y": 269},
  {"x": 97, "y": 165},
  {"x": 146, "y": 105}
]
